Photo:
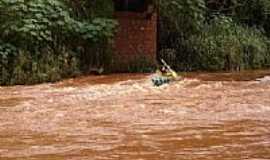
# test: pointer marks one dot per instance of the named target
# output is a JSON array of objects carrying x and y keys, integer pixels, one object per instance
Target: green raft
[{"x": 160, "y": 80}]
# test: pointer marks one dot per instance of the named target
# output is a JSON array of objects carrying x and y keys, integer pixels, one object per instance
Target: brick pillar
[{"x": 136, "y": 38}]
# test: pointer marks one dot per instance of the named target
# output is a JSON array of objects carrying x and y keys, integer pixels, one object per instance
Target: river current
[{"x": 203, "y": 117}]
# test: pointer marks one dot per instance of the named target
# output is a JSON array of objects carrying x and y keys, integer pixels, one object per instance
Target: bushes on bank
[
  {"x": 249, "y": 12},
  {"x": 225, "y": 45},
  {"x": 47, "y": 40},
  {"x": 232, "y": 36},
  {"x": 22, "y": 67}
]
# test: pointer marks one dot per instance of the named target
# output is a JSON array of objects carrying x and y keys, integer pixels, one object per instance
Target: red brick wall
[{"x": 136, "y": 37}]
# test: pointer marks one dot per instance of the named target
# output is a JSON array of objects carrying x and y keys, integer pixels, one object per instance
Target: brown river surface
[{"x": 206, "y": 116}]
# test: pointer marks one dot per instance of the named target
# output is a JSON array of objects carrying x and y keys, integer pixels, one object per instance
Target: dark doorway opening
[{"x": 130, "y": 5}]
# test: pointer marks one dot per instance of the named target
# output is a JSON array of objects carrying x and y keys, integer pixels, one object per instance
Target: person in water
[
  {"x": 164, "y": 75},
  {"x": 167, "y": 72}
]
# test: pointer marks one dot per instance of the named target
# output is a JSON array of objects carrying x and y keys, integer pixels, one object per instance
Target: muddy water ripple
[{"x": 130, "y": 119}]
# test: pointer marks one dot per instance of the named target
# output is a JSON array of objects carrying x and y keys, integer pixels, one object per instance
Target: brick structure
[{"x": 136, "y": 38}]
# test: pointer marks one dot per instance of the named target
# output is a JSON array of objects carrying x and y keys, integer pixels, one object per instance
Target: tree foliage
[
  {"x": 39, "y": 21},
  {"x": 184, "y": 16},
  {"x": 225, "y": 45},
  {"x": 34, "y": 29},
  {"x": 215, "y": 34}
]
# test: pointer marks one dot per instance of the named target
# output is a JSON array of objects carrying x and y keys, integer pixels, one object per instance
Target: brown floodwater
[{"x": 206, "y": 116}]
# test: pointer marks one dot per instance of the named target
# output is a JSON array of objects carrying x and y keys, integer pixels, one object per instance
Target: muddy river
[{"x": 123, "y": 117}]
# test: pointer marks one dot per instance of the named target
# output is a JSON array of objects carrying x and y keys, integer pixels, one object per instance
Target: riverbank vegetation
[
  {"x": 49, "y": 40},
  {"x": 215, "y": 35}
]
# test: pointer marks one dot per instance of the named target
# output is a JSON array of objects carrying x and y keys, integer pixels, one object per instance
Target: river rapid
[{"x": 205, "y": 116}]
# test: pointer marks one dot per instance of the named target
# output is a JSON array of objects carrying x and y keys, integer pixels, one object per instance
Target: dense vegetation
[
  {"x": 49, "y": 40},
  {"x": 215, "y": 34}
]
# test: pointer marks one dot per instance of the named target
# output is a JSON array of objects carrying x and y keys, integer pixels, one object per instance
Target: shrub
[
  {"x": 21, "y": 67},
  {"x": 7, "y": 51},
  {"x": 182, "y": 15},
  {"x": 179, "y": 19},
  {"x": 227, "y": 34},
  {"x": 254, "y": 13},
  {"x": 47, "y": 40},
  {"x": 225, "y": 45},
  {"x": 44, "y": 21},
  {"x": 221, "y": 45}
]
